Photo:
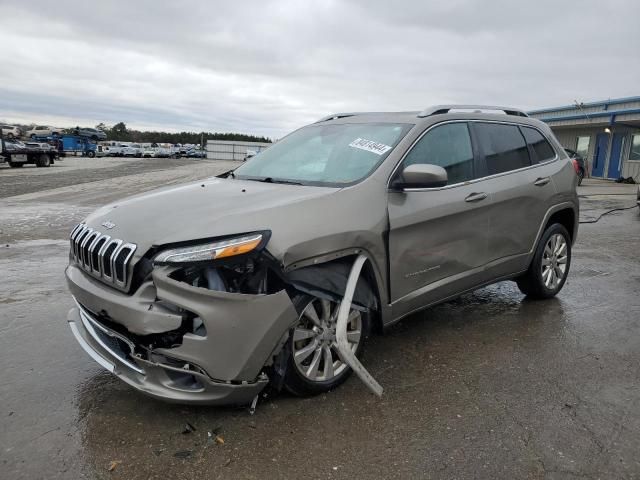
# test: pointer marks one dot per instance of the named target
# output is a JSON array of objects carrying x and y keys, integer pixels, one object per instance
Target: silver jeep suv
[{"x": 275, "y": 273}]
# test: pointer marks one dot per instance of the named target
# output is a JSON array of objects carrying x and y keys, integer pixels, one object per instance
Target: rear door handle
[
  {"x": 476, "y": 197},
  {"x": 542, "y": 181}
]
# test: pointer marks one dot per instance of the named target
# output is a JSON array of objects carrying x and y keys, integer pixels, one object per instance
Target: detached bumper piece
[{"x": 163, "y": 377}]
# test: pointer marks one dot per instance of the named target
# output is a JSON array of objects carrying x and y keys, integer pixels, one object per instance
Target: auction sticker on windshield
[{"x": 370, "y": 146}]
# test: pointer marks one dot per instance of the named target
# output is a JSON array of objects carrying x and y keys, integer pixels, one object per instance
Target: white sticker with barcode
[{"x": 370, "y": 146}]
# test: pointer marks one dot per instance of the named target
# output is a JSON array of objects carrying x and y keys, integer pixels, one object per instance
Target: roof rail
[
  {"x": 439, "y": 109},
  {"x": 336, "y": 116}
]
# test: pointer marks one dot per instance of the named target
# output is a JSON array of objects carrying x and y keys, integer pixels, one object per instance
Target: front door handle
[
  {"x": 476, "y": 197},
  {"x": 542, "y": 181}
]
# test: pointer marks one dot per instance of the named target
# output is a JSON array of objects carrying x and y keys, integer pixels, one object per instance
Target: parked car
[
  {"x": 115, "y": 149},
  {"x": 578, "y": 164},
  {"x": 195, "y": 153},
  {"x": 44, "y": 131},
  {"x": 277, "y": 271},
  {"x": 92, "y": 133},
  {"x": 133, "y": 150},
  {"x": 149, "y": 152},
  {"x": 11, "y": 131}
]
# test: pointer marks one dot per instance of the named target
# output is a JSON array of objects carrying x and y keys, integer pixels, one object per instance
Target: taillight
[{"x": 576, "y": 166}]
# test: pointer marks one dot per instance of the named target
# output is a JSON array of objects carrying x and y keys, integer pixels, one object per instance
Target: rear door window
[
  {"x": 503, "y": 147},
  {"x": 539, "y": 145},
  {"x": 448, "y": 146}
]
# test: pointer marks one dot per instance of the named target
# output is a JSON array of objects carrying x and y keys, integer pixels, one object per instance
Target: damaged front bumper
[{"x": 221, "y": 364}]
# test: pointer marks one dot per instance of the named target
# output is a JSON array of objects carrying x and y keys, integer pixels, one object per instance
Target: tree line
[{"x": 121, "y": 132}]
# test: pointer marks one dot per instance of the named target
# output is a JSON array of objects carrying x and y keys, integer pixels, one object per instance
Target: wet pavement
[{"x": 488, "y": 386}]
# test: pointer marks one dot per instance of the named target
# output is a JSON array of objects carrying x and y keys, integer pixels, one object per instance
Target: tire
[
  {"x": 580, "y": 176},
  {"x": 16, "y": 164},
  {"x": 91, "y": 154},
  {"x": 545, "y": 277},
  {"x": 10, "y": 136},
  {"x": 43, "y": 160},
  {"x": 308, "y": 333}
]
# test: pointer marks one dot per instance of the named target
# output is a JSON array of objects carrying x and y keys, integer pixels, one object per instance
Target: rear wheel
[
  {"x": 314, "y": 364},
  {"x": 43, "y": 160},
  {"x": 91, "y": 154},
  {"x": 550, "y": 265}
]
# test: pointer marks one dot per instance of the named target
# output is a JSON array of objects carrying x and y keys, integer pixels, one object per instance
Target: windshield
[{"x": 325, "y": 154}]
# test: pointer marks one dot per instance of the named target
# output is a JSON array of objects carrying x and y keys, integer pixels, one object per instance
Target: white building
[
  {"x": 605, "y": 133},
  {"x": 233, "y": 150}
]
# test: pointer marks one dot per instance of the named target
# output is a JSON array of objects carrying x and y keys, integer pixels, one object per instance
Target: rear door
[
  {"x": 518, "y": 163},
  {"x": 438, "y": 236}
]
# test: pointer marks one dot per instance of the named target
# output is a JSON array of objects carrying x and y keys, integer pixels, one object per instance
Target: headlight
[{"x": 210, "y": 250}]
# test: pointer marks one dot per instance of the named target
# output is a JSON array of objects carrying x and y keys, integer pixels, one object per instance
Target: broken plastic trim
[{"x": 341, "y": 329}]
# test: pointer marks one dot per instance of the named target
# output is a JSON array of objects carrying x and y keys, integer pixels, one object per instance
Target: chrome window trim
[{"x": 475, "y": 180}]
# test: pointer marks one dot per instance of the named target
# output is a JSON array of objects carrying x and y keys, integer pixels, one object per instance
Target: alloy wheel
[
  {"x": 315, "y": 352},
  {"x": 554, "y": 261}
]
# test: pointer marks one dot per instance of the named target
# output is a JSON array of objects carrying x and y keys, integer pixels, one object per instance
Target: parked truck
[{"x": 17, "y": 153}]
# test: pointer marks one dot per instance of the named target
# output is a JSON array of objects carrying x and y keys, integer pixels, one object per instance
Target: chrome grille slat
[{"x": 97, "y": 254}]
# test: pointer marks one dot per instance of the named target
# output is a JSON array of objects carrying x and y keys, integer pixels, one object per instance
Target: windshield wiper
[
  {"x": 277, "y": 180},
  {"x": 227, "y": 174}
]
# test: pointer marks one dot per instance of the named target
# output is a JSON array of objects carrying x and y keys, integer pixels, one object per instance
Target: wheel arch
[
  {"x": 567, "y": 218},
  {"x": 330, "y": 272}
]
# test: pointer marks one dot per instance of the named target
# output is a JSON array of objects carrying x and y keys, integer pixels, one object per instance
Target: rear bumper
[{"x": 156, "y": 379}]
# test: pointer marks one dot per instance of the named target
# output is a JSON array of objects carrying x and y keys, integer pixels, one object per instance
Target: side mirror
[{"x": 421, "y": 175}]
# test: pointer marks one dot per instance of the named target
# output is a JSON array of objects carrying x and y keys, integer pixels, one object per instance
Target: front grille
[{"x": 103, "y": 257}]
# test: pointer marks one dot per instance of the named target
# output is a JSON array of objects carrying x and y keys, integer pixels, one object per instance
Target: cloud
[{"x": 268, "y": 67}]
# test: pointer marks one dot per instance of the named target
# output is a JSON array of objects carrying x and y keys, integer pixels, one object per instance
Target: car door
[
  {"x": 518, "y": 163},
  {"x": 438, "y": 236}
]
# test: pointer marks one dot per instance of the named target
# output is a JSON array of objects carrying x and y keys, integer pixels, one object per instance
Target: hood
[{"x": 209, "y": 208}]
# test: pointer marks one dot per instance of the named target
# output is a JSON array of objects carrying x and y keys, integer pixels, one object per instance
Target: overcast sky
[{"x": 267, "y": 67}]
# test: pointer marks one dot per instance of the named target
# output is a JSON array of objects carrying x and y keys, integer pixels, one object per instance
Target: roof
[
  {"x": 606, "y": 112},
  {"x": 600, "y": 103}
]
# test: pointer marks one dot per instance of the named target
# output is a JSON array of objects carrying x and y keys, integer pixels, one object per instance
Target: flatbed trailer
[{"x": 19, "y": 154}]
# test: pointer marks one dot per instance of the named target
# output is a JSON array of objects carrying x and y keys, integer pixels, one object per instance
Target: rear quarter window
[
  {"x": 503, "y": 147},
  {"x": 539, "y": 145}
]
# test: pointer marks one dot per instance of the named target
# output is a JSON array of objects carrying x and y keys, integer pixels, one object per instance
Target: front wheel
[
  {"x": 550, "y": 265},
  {"x": 314, "y": 364}
]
